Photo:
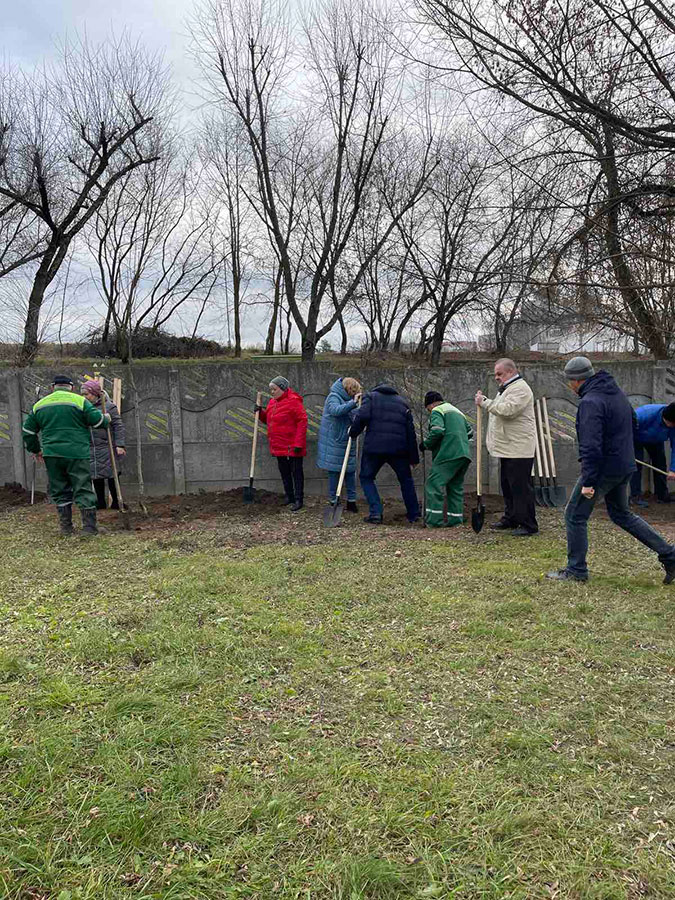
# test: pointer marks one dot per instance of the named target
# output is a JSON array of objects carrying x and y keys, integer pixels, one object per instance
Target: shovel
[
  {"x": 557, "y": 493},
  {"x": 538, "y": 489},
  {"x": 249, "y": 490},
  {"x": 32, "y": 482},
  {"x": 124, "y": 514},
  {"x": 478, "y": 514},
  {"x": 653, "y": 468},
  {"x": 541, "y": 446},
  {"x": 332, "y": 514}
]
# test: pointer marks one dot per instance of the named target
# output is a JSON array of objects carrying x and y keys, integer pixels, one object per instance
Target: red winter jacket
[{"x": 286, "y": 422}]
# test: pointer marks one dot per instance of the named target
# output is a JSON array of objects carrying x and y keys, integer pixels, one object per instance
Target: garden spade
[
  {"x": 249, "y": 490},
  {"x": 332, "y": 514},
  {"x": 557, "y": 492},
  {"x": 34, "y": 475},
  {"x": 538, "y": 488},
  {"x": 124, "y": 514},
  {"x": 478, "y": 514},
  {"x": 653, "y": 468},
  {"x": 541, "y": 447}
]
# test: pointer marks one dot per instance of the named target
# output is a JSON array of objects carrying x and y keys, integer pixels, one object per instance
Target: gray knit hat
[
  {"x": 579, "y": 369},
  {"x": 282, "y": 383}
]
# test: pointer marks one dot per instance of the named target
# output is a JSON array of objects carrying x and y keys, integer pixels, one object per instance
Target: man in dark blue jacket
[
  {"x": 655, "y": 425},
  {"x": 605, "y": 435},
  {"x": 390, "y": 438}
]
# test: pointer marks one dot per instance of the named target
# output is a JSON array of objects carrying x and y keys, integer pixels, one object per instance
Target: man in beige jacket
[{"x": 511, "y": 438}]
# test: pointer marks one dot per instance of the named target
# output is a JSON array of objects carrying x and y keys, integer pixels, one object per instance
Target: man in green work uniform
[
  {"x": 448, "y": 440},
  {"x": 63, "y": 419}
]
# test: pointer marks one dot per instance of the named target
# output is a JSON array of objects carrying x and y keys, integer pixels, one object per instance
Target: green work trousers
[
  {"x": 446, "y": 480},
  {"x": 70, "y": 480}
]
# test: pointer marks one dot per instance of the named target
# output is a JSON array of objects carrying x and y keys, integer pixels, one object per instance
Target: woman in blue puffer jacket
[{"x": 338, "y": 410}]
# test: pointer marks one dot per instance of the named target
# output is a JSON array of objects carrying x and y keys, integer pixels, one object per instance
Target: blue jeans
[
  {"x": 615, "y": 493},
  {"x": 350, "y": 482},
  {"x": 371, "y": 463}
]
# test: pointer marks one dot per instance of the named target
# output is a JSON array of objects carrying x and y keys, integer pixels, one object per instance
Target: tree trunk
[
  {"x": 271, "y": 331},
  {"x": 32, "y": 327},
  {"x": 650, "y": 332}
]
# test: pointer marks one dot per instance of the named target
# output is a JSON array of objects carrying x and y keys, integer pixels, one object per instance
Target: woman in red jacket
[{"x": 286, "y": 422}]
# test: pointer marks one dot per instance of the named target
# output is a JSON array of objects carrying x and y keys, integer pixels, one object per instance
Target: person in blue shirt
[{"x": 655, "y": 426}]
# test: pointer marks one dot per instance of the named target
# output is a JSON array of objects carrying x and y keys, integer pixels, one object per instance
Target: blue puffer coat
[
  {"x": 390, "y": 426},
  {"x": 604, "y": 430},
  {"x": 334, "y": 430}
]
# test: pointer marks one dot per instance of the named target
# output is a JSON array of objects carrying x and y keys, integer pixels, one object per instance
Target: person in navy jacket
[
  {"x": 605, "y": 436},
  {"x": 390, "y": 439},
  {"x": 655, "y": 426}
]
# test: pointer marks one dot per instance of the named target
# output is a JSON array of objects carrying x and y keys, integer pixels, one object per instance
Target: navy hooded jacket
[
  {"x": 391, "y": 430},
  {"x": 604, "y": 430},
  {"x": 651, "y": 430}
]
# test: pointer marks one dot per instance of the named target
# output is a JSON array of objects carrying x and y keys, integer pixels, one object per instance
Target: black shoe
[
  {"x": 523, "y": 532},
  {"x": 114, "y": 505},
  {"x": 296, "y": 506},
  {"x": 373, "y": 520},
  {"x": 66, "y": 519},
  {"x": 564, "y": 575},
  {"x": 666, "y": 499},
  {"x": 351, "y": 506},
  {"x": 501, "y": 526},
  {"x": 670, "y": 573}
]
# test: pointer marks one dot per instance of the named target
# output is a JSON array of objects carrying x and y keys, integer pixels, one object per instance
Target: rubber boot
[
  {"x": 66, "y": 519},
  {"x": 89, "y": 521}
]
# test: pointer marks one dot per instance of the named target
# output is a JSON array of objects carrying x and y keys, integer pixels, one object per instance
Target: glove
[
  {"x": 421, "y": 446},
  {"x": 297, "y": 451},
  {"x": 257, "y": 408}
]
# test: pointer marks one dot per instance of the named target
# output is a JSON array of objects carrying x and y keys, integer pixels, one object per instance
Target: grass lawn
[{"x": 218, "y": 710}]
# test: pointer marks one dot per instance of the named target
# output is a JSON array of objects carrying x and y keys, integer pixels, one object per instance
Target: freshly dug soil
[{"x": 12, "y": 494}]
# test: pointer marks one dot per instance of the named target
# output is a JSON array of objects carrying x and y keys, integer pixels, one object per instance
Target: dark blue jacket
[
  {"x": 651, "y": 430},
  {"x": 604, "y": 430},
  {"x": 391, "y": 430}
]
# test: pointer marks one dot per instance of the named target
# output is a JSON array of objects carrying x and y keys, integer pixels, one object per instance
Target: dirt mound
[
  {"x": 12, "y": 494},
  {"x": 206, "y": 505}
]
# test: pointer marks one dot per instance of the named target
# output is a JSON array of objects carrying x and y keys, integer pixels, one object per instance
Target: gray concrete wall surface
[{"x": 196, "y": 419}]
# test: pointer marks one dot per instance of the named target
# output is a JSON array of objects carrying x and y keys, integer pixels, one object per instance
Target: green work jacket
[
  {"x": 449, "y": 434},
  {"x": 62, "y": 419}
]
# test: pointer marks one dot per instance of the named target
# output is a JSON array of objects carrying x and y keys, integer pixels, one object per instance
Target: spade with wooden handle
[
  {"x": 557, "y": 492},
  {"x": 478, "y": 514},
  {"x": 541, "y": 444},
  {"x": 124, "y": 514},
  {"x": 249, "y": 490}
]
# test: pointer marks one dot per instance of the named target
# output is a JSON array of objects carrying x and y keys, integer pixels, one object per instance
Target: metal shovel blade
[
  {"x": 558, "y": 495},
  {"x": 125, "y": 517},
  {"x": 249, "y": 493},
  {"x": 478, "y": 516},
  {"x": 546, "y": 494},
  {"x": 538, "y": 496},
  {"x": 332, "y": 514}
]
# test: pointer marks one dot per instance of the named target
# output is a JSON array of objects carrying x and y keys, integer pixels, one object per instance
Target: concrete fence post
[
  {"x": 15, "y": 426},
  {"x": 177, "y": 432}
]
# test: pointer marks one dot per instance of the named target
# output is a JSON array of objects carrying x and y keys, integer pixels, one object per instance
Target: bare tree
[
  {"x": 333, "y": 146},
  {"x": 599, "y": 76},
  {"x": 155, "y": 248},
  {"x": 68, "y": 134}
]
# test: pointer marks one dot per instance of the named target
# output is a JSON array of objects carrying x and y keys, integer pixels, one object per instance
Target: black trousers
[
  {"x": 293, "y": 477},
  {"x": 516, "y": 479},
  {"x": 99, "y": 487},
  {"x": 657, "y": 457}
]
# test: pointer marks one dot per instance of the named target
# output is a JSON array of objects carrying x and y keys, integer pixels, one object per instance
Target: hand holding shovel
[{"x": 478, "y": 514}]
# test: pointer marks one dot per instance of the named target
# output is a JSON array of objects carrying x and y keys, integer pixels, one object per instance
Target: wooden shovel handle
[
  {"x": 258, "y": 402},
  {"x": 549, "y": 438},
  {"x": 343, "y": 470},
  {"x": 479, "y": 448},
  {"x": 653, "y": 468},
  {"x": 537, "y": 452},
  {"x": 113, "y": 462},
  {"x": 540, "y": 438}
]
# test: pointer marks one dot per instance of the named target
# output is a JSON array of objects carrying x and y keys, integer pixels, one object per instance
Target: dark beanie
[
  {"x": 432, "y": 397},
  {"x": 669, "y": 413},
  {"x": 62, "y": 379},
  {"x": 579, "y": 369},
  {"x": 282, "y": 383}
]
